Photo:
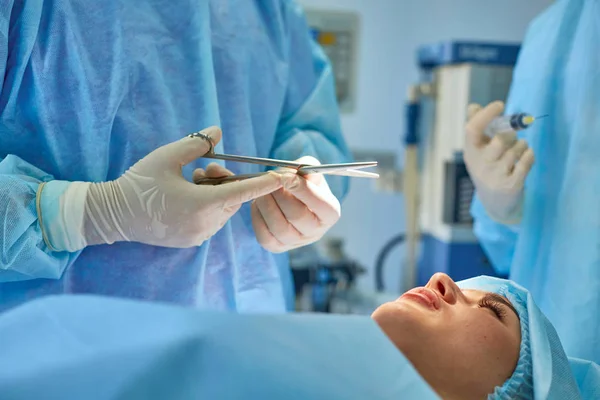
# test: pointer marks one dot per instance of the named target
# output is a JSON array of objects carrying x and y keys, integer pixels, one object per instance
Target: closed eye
[{"x": 497, "y": 308}]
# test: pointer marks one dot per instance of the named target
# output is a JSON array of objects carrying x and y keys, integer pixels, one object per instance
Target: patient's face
[{"x": 463, "y": 343}]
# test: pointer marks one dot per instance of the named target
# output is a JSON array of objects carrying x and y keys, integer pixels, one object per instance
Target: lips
[{"x": 424, "y": 296}]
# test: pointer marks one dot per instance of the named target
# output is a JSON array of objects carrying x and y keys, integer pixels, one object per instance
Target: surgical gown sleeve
[
  {"x": 23, "y": 252},
  {"x": 310, "y": 121},
  {"x": 499, "y": 240}
]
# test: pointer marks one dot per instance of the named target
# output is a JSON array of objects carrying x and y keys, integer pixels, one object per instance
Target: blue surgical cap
[{"x": 543, "y": 370}]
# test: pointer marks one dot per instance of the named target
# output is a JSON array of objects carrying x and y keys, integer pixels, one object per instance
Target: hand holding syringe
[{"x": 498, "y": 162}]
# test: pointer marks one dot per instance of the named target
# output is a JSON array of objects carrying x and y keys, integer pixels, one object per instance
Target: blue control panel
[{"x": 459, "y": 52}]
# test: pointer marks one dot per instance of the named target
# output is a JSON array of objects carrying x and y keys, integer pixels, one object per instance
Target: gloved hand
[
  {"x": 151, "y": 203},
  {"x": 296, "y": 215},
  {"x": 497, "y": 166}
]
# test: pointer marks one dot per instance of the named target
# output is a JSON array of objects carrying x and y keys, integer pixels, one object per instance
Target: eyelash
[{"x": 494, "y": 306}]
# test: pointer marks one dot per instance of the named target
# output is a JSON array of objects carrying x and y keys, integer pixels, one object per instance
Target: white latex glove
[
  {"x": 296, "y": 215},
  {"x": 153, "y": 203},
  {"x": 497, "y": 166}
]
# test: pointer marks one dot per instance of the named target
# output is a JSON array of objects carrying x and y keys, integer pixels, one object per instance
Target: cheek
[
  {"x": 485, "y": 333},
  {"x": 492, "y": 345}
]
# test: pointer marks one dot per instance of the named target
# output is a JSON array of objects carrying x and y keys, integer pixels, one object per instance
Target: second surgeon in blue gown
[
  {"x": 90, "y": 88},
  {"x": 550, "y": 243}
]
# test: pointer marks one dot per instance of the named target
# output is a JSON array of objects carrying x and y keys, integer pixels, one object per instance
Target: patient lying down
[
  {"x": 475, "y": 339},
  {"x": 481, "y": 337},
  {"x": 464, "y": 343}
]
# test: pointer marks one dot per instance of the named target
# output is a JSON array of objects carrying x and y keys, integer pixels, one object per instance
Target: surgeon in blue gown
[
  {"x": 540, "y": 221},
  {"x": 91, "y": 88}
]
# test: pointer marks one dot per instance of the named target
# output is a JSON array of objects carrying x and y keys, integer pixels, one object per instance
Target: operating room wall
[{"x": 391, "y": 30}]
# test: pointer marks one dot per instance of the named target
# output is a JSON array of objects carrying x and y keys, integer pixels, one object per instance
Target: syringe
[{"x": 507, "y": 123}]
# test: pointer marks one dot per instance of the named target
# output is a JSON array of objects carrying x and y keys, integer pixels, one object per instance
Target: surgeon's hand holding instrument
[
  {"x": 498, "y": 165},
  {"x": 344, "y": 169},
  {"x": 298, "y": 214},
  {"x": 510, "y": 123},
  {"x": 151, "y": 203}
]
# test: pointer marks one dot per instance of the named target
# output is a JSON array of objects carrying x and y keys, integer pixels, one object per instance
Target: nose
[{"x": 445, "y": 287}]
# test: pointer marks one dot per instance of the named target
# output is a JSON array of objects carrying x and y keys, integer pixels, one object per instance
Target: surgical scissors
[{"x": 344, "y": 169}]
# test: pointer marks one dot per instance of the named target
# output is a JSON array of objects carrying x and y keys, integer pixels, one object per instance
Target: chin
[
  {"x": 397, "y": 319},
  {"x": 407, "y": 325},
  {"x": 402, "y": 312}
]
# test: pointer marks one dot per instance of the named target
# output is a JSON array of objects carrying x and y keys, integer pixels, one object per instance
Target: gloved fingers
[
  {"x": 276, "y": 221},
  {"x": 509, "y": 138},
  {"x": 198, "y": 173},
  {"x": 214, "y": 170},
  {"x": 188, "y": 149},
  {"x": 297, "y": 213},
  {"x": 317, "y": 198},
  {"x": 513, "y": 155},
  {"x": 308, "y": 160},
  {"x": 472, "y": 109},
  {"x": 240, "y": 192},
  {"x": 498, "y": 146},
  {"x": 524, "y": 165},
  {"x": 262, "y": 232},
  {"x": 318, "y": 179},
  {"x": 480, "y": 120}
]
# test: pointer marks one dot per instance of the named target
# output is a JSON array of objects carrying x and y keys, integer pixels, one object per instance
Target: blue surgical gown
[
  {"x": 555, "y": 251},
  {"x": 91, "y": 87}
]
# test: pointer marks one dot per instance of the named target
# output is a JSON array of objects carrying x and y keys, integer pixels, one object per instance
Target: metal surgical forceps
[{"x": 344, "y": 169}]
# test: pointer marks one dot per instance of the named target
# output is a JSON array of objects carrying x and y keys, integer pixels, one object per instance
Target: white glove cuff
[
  {"x": 498, "y": 211},
  {"x": 60, "y": 209}
]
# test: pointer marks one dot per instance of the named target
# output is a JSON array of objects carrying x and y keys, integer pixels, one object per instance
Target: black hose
[{"x": 382, "y": 256}]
